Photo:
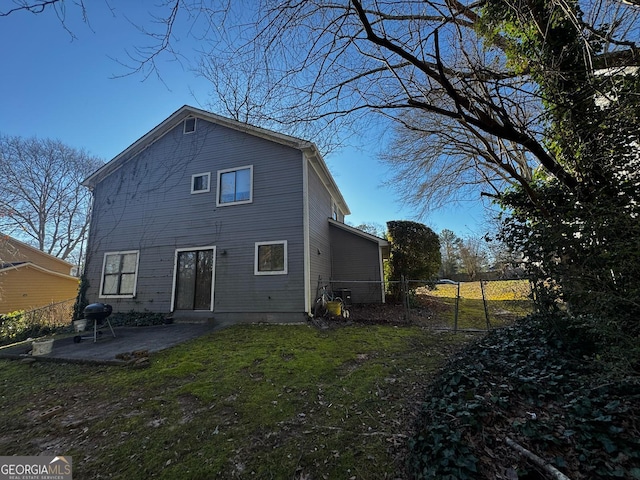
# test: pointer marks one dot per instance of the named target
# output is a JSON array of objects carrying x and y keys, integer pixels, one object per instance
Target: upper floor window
[
  {"x": 271, "y": 258},
  {"x": 200, "y": 182},
  {"x": 189, "y": 125},
  {"x": 119, "y": 274},
  {"x": 235, "y": 186}
]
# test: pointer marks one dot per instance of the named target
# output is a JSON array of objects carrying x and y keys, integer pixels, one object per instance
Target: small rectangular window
[
  {"x": 200, "y": 182},
  {"x": 119, "y": 274},
  {"x": 271, "y": 258},
  {"x": 189, "y": 125},
  {"x": 235, "y": 186}
]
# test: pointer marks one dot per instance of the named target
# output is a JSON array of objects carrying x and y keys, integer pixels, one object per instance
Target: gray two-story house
[{"x": 207, "y": 216}]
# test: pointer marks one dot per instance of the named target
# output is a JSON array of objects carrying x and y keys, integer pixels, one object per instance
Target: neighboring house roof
[
  {"x": 15, "y": 252},
  {"x": 309, "y": 148},
  {"x": 7, "y": 265},
  {"x": 384, "y": 244},
  {"x": 30, "y": 278},
  {"x": 27, "y": 286},
  {"x": 15, "y": 266}
]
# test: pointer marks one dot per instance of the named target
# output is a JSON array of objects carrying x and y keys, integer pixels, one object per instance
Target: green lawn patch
[{"x": 260, "y": 401}]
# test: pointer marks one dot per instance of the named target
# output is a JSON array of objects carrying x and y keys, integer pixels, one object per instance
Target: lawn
[
  {"x": 506, "y": 300},
  {"x": 253, "y": 401}
]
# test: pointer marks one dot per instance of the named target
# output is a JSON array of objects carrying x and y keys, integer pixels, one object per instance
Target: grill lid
[{"x": 97, "y": 311}]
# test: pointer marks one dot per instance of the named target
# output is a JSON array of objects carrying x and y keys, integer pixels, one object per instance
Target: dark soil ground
[{"x": 427, "y": 312}]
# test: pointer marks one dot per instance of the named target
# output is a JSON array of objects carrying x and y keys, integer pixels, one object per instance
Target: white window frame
[
  {"x": 175, "y": 275},
  {"x": 256, "y": 269},
  {"x": 193, "y": 178},
  {"x": 135, "y": 279},
  {"x": 184, "y": 125},
  {"x": 235, "y": 169}
]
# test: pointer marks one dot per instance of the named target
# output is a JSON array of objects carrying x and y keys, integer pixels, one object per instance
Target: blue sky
[{"x": 75, "y": 90}]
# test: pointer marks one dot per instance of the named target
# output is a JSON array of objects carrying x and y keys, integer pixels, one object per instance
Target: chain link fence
[
  {"x": 479, "y": 305},
  {"x": 20, "y": 325}
]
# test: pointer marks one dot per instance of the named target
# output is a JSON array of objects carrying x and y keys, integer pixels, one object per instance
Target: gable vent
[{"x": 189, "y": 125}]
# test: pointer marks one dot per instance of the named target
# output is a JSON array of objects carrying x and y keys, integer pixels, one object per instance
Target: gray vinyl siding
[
  {"x": 355, "y": 262},
  {"x": 147, "y": 205},
  {"x": 319, "y": 242}
]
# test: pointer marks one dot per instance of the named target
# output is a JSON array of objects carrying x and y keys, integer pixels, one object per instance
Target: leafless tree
[
  {"x": 473, "y": 256},
  {"x": 60, "y": 8},
  {"x": 41, "y": 200},
  {"x": 372, "y": 228},
  {"x": 435, "y": 161},
  {"x": 469, "y": 118}
]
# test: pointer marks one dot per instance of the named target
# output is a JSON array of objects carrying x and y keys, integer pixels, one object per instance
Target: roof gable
[
  {"x": 383, "y": 244},
  {"x": 356, "y": 231},
  {"x": 308, "y": 148}
]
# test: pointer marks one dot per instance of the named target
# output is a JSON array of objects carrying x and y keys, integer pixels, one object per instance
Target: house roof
[
  {"x": 19, "y": 265},
  {"x": 309, "y": 148},
  {"x": 7, "y": 265},
  {"x": 29, "y": 255},
  {"x": 382, "y": 243}
]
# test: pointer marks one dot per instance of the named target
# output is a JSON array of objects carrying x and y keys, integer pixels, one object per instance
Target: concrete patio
[{"x": 111, "y": 350}]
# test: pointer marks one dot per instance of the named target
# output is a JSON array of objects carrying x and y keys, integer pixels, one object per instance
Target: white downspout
[{"x": 305, "y": 222}]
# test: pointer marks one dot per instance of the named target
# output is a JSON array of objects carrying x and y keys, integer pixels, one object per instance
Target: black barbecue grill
[{"x": 96, "y": 313}]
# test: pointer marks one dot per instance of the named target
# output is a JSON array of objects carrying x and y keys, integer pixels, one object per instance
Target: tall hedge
[{"x": 415, "y": 251}]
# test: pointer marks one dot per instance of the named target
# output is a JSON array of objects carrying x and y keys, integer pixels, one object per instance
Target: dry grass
[
  {"x": 53, "y": 315},
  {"x": 500, "y": 290},
  {"x": 505, "y": 300}
]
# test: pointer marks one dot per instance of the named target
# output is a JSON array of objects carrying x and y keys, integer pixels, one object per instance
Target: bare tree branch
[
  {"x": 318, "y": 68},
  {"x": 41, "y": 199},
  {"x": 31, "y": 7}
]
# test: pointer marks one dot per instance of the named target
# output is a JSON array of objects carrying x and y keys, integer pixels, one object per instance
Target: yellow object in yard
[{"x": 334, "y": 308}]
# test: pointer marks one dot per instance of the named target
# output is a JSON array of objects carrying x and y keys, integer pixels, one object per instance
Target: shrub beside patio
[{"x": 21, "y": 325}]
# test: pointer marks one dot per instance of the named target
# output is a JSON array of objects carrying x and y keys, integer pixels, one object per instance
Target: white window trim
[
  {"x": 204, "y": 174},
  {"x": 175, "y": 275},
  {"x": 286, "y": 259},
  {"x": 235, "y": 169},
  {"x": 184, "y": 125},
  {"x": 135, "y": 280}
]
